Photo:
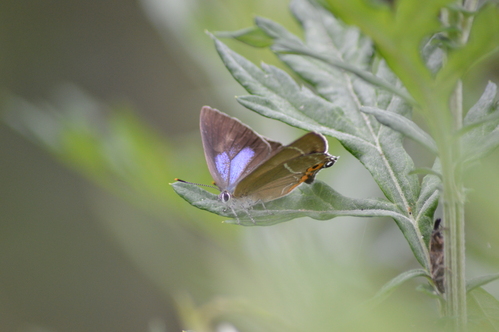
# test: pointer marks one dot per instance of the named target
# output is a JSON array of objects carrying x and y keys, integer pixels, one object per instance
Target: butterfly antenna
[{"x": 197, "y": 184}]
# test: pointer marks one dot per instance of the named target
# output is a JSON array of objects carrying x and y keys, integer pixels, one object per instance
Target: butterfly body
[{"x": 250, "y": 169}]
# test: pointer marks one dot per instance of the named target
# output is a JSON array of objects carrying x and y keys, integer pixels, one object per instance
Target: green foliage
[
  {"x": 361, "y": 85},
  {"x": 251, "y": 36},
  {"x": 483, "y": 311},
  {"x": 403, "y": 125},
  {"x": 336, "y": 110},
  {"x": 365, "y": 102},
  {"x": 479, "y": 134},
  {"x": 480, "y": 281},
  {"x": 483, "y": 40},
  {"x": 318, "y": 201},
  {"x": 393, "y": 284},
  {"x": 397, "y": 40},
  {"x": 116, "y": 151}
]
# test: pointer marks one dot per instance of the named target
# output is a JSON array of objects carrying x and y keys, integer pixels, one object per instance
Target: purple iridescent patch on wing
[
  {"x": 231, "y": 169},
  {"x": 239, "y": 163},
  {"x": 222, "y": 161}
]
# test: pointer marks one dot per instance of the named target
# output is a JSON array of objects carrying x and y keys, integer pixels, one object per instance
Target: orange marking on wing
[{"x": 310, "y": 172}]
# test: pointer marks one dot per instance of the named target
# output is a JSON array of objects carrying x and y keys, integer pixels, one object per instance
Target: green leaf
[
  {"x": 404, "y": 126},
  {"x": 276, "y": 95},
  {"x": 433, "y": 53},
  {"x": 426, "y": 170},
  {"x": 318, "y": 201},
  {"x": 487, "y": 121},
  {"x": 111, "y": 147},
  {"x": 284, "y": 41},
  {"x": 480, "y": 281},
  {"x": 483, "y": 108},
  {"x": 479, "y": 134},
  {"x": 429, "y": 290},
  {"x": 120, "y": 152},
  {"x": 393, "y": 284},
  {"x": 253, "y": 36},
  {"x": 287, "y": 43},
  {"x": 272, "y": 89},
  {"x": 29, "y": 120},
  {"x": 336, "y": 109},
  {"x": 483, "y": 40},
  {"x": 428, "y": 201},
  {"x": 483, "y": 311},
  {"x": 397, "y": 41},
  {"x": 488, "y": 144}
]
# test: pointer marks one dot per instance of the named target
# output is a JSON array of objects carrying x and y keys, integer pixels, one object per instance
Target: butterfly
[{"x": 249, "y": 169}]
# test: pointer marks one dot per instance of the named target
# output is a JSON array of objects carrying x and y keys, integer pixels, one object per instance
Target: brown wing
[
  {"x": 281, "y": 180},
  {"x": 307, "y": 144},
  {"x": 295, "y": 163},
  {"x": 232, "y": 149}
]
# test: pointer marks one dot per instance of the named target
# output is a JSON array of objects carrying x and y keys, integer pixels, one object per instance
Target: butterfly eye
[
  {"x": 329, "y": 163},
  {"x": 224, "y": 196}
]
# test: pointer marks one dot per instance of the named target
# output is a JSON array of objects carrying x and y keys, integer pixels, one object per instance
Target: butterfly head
[{"x": 224, "y": 196}]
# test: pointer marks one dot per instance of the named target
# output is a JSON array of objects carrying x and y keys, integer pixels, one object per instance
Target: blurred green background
[{"x": 80, "y": 252}]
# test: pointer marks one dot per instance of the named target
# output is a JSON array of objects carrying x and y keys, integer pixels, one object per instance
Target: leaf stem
[
  {"x": 456, "y": 247},
  {"x": 454, "y": 201}
]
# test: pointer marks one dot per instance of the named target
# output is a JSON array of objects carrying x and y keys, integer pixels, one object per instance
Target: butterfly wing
[
  {"x": 280, "y": 181},
  {"x": 295, "y": 163},
  {"x": 232, "y": 149}
]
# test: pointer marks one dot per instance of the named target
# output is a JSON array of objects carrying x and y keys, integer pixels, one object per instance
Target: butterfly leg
[
  {"x": 265, "y": 208},
  {"x": 249, "y": 215},
  {"x": 235, "y": 215}
]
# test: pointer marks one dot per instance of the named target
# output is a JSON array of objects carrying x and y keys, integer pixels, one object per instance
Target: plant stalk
[
  {"x": 453, "y": 209},
  {"x": 454, "y": 223},
  {"x": 454, "y": 197}
]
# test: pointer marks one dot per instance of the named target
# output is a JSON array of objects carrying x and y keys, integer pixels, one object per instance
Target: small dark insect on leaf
[{"x": 437, "y": 256}]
